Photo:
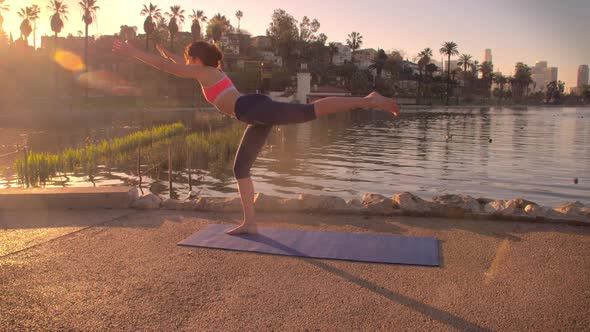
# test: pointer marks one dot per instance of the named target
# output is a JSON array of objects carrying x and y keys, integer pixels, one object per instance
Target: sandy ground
[{"x": 127, "y": 273}]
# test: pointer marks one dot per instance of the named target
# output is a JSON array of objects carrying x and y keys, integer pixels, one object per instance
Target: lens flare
[
  {"x": 109, "y": 83},
  {"x": 69, "y": 61}
]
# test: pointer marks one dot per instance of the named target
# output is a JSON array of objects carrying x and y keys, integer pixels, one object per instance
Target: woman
[{"x": 202, "y": 62}]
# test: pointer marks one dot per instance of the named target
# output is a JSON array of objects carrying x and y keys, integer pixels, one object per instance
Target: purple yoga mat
[{"x": 362, "y": 247}]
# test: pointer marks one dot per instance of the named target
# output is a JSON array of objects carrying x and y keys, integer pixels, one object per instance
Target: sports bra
[{"x": 215, "y": 91}]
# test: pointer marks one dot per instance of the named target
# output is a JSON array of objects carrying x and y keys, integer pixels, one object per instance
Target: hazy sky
[{"x": 515, "y": 30}]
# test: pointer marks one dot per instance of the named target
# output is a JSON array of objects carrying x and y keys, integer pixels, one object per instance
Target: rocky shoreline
[{"x": 403, "y": 204}]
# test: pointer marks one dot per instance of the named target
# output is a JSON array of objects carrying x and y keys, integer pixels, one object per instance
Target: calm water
[{"x": 534, "y": 153}]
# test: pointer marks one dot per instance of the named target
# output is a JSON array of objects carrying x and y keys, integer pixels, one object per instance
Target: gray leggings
[{"x": 261, "y": 113}]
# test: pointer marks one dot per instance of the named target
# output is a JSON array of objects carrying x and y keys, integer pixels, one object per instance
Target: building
[
  {"x": 365, "y": 57},
  {"x": 261, "y": 42},
  {"x": 538, "y": 76},
  {"x": 551, "y": 75},
  {"x": 487, "y": 57},
  {"x": 343, "y": 55},
  {"x": 270, "y": 56},
  {"x": 306, "y": 92},
  {"x": 582, "y": 76}
]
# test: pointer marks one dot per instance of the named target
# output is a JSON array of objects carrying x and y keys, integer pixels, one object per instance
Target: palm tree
[
  {"x": 424, "y": 58},
  {"x": 239, "y": 15},
  {"x": 60, "y": 12},
  {"x": 89, "y": 9},
  {"x": 153, "y": 14},
  {"x": 198, "y": 17},
  {"x": 333, "y": 50},
  {"x": 218, "y": 25},
  {"x": 521, "y": 80},
  {"x": 35, "y": 11},
  {"x": 449, "y": 49},
  {"x": 354, "y": 40},
  {"x": 464, "y": 61},
  {"x": 3, "y": 8},
  {"x": 487, "y": 72},
  {"x": 25, "y": 26},
  {"x": 379, "y": 63},
  {"x": 176, "y": 16},
  {"x": 501, "y": 80}
]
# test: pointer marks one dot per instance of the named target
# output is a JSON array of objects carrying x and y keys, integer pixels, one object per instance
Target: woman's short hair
[{"x": 209, "y": 54}]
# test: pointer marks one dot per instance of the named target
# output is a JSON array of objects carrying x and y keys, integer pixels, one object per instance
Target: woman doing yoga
[{"x": 202, "y": 62}]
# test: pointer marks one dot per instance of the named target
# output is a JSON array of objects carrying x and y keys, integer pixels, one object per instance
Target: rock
[
  {"x": 378, "y": 204},
  {"x": 458, "y": 205},
  {"x": 512, "y": 208},
  {"x": 132, "y": 195},
  {"x": 322, "y": 203},
  {"x": 148, "y": 201},
  {"x": 354, "y": 203},
  {"x": 540, "y": 212},
  {"x": 291, "y": 204},
  {"x": 264, "y": 202},
  {"x": 495, "y": 207},
  {"x": 483, "y": 201},
  {"x": 221, "y": 204},
  {"x": 193, "y": 205},
  {"x": 412, "y": 204},
  {"x": 172, "y": 204},
  {"x": 573, "y": 211}
]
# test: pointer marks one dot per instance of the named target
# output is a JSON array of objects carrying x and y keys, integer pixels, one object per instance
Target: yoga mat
[{"x": 362, "y": 247}]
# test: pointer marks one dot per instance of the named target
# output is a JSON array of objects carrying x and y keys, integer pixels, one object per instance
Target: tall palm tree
[
  {"x": 332, "y": 50},
  {"x": 379, "y": 63},
  {"x": 176, "y": 16},
  {"x": 424, "y": 58},
  {"x": 354, "y": 40},
  {"x": 198, "y": 17},
  {"x": 218, "y": 25},
  {"x": 449, "y": 49},
  {"x": 36, "y": 11},
  {"x": 501, "y": 80},
  {"x": 89, "y": 9},
  {"x": 60, "y": 12},
  {"x": 153, "y": 14},
  {"x": 3, "y": 8},
  {"x": 464, "y": 61},
  {"x": 521, "y": 80},
  {"x": 25, "y": 26},
  {"x": 487, "y": 74},
  {"x": 239, "y": 15}
]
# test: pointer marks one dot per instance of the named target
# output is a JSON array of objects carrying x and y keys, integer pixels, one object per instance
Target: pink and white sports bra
[{"x": 218, "y": 89}]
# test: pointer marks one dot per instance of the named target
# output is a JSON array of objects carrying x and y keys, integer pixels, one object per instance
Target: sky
[{"x": 515, "y": 30}]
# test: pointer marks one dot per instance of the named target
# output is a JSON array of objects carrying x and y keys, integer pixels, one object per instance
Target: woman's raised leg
[{"x": 374, "y": 100}]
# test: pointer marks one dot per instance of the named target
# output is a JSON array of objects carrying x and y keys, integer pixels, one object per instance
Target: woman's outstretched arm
[
  {"x": 180, "y": 70},
  {"x": 169, "y": 55}
]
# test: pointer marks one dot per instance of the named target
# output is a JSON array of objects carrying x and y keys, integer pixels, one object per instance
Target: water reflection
[{"x": 495, "y": 153}]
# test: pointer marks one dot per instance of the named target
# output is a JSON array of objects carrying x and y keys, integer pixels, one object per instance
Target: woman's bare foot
[
  {"x": 383, "y": 103},
  {"x": 244, "y": 228}
]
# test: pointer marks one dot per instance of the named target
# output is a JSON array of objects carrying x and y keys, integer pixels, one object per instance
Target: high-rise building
[
  {"x": 551, "y": 75},
  {"x": 582, "y": 76},
  {"x": 487, "y": 57},
  {"x": 539, "y": 76}
]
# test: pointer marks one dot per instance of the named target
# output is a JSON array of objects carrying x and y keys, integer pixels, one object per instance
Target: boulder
[
  {"x": 148, "y": 201},
  {"x": 322, "y": 203},
  {"x": 410, "y": 203},
  {"x": 573, "y": 211},
  {"x": 220, "y": 204},
  {"x": 309, "y": 202},
  {"x": 291, "y": 204},
  {"x": 457, "y": 205},
  {"x": 264, "y": 202},
  {"x": 495, "y": 207},
  {"x": 172, "y": 204},
  {"x": 193, "y": 204},
  {"x": 512, "y": 208},
  {"x": 378, "y": 204}
]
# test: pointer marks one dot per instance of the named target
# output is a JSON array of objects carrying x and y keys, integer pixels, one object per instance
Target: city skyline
[{"x": 530, "y": 37}]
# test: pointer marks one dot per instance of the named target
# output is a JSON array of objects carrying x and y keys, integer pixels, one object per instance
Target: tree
[
  {"x": 176, "y": 16},
  {"x": 283, "y": 35},
  {"x": 198, "y": 17},
  {"x": 60, "y": 12},
  {"x": 378, "y": 64},
  {"x": 25, "y": 27},
  {"x": 333, "y": 51},
  {"x": 239, "y": 15},
  {"x": 126, "y": 32},
  {"x": 464, "y": 61},
  {"x": 424, "y": 58},
  {"x": 35, "y": 11},
  {"x": 89, "y": 9},
  {"x": 3, "y": 8},
  {"x": 521, "y": 80},
  {"x": 217, "y": 27},
  {"x": 501, "y": 81},
  {"x": 153, "y": 14},
  {"x": 355, "y": 41},
  {"x": 449, "y": 49},
  {"x": 161, "y": 33},
  {"x": 487, "y": 72}
]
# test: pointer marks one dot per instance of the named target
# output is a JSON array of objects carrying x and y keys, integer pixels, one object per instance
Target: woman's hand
[{"x": 124, "y": 48}]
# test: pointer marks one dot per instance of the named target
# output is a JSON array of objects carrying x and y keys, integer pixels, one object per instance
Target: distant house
[
  {"x": 343, "y": 55},
  {"x": 261, "y": 42},
  {"x": 364, "y": 58},
  {"x": 270, "y": 56},
  {"x": 306, "y": 93}
]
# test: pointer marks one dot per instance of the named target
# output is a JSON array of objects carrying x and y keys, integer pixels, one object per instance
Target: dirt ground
[{"x": 122, "y": 270}]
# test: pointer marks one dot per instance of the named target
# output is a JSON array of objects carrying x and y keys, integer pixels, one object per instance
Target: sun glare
[
  {"x": 109, "y": 83},
  {"x": 69, "y": 61}
]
